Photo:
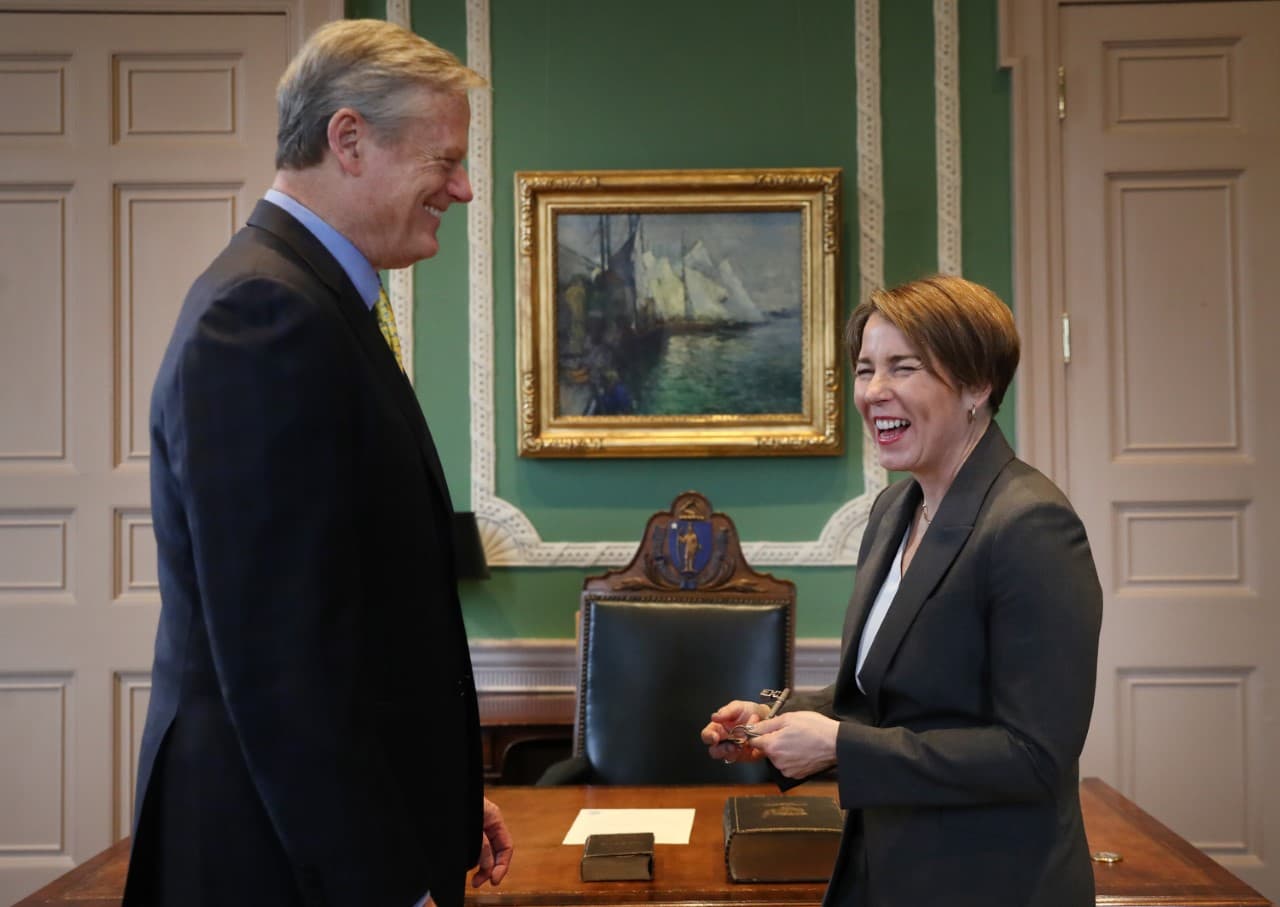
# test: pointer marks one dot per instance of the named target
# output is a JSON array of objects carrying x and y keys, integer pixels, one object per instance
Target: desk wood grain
[{"x": 1159, "y": 868}]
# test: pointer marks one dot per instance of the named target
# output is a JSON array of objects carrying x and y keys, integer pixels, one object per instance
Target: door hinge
[
  {"x": 1066, "y": 339},
  {"x": 1062, "y": 93}
]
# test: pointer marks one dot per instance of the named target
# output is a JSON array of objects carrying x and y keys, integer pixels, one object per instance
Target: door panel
[
  {"x": 1171, "y": 187},
  {"x": 131, "y": 147}
]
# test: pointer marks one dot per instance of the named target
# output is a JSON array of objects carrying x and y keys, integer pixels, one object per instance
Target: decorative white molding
[
  {"x": 400, "y": 282},
  {"x": 400, "y": 294},
  {"x": 946, "y": 95},
  {"x": 545, "y": 667},
  {"x": 400, "y": 13},
  {"x": 870, "y": 149},
  {"x": 510, "y": 538},
  {"x": 817, "y": 660},
  {"x": 524, "y": 665}
]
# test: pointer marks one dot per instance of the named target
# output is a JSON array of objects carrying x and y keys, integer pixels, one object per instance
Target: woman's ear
[{"x": 976, "y": 397}]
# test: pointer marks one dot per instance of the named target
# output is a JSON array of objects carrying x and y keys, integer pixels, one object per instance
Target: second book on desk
[
  {"x": 781, "y": 839},
  {"x": 618, "y": 857}
]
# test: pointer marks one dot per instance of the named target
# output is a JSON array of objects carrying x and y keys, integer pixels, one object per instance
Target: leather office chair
[{"x": 683, "y": 629}]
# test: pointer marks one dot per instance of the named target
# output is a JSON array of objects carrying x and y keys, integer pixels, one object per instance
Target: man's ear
[{"x": 347, "y": 133}]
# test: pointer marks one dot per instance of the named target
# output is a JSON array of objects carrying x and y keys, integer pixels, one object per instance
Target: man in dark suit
[{"x": 312, "y": 736}]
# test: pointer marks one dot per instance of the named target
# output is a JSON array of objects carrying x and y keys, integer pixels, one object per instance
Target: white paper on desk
[{"x": 669, "y": 826}]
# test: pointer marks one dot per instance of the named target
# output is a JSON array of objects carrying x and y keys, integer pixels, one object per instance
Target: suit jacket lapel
[
  {"x": 941, "y": 544},
  {"x": 886, "y": 534},
  {"x": 281, "y": 224}
]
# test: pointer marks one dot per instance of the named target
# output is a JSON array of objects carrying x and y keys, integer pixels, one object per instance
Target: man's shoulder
[
  {"x": 256, "y": 278},
  {"x": 254, "y": 255}
]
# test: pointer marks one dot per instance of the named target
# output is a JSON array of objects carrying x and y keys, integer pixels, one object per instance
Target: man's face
[{"x": 409, "y": 183}]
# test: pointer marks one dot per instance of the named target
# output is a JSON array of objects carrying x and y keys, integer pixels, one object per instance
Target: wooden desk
[{"x": 1159, "y": 868}]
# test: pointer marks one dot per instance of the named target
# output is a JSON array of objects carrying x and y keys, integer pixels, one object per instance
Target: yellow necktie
[{"x": 387, "y": 324}]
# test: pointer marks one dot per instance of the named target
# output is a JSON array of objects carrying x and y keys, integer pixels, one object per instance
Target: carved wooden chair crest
[
  {"x": 681, "y": 630},
  {"x": 689, "y": 549}
]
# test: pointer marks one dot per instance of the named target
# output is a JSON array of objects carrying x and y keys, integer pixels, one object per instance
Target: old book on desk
[
  {"x": 781, "y": 839},
  {"x": 616, "y": 858}
]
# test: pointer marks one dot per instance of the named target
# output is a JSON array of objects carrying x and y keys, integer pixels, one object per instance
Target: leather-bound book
[
  {"x": 616, "y": 858},
  {"x": 781, "y": 839}
]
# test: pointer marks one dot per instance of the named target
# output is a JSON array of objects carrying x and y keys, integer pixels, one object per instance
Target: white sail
[
  {"x": 700, "y": 293},
  {"x": 700, "y": 259},
  {"x": 640, "y": 269},
  {"x": 663, "y": 286},
  {"x": 739, "y": 304},
  {"x": 706, "y": 297}
]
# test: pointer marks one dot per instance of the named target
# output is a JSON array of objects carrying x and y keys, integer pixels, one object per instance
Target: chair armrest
[{"x": 574, "y": 770}]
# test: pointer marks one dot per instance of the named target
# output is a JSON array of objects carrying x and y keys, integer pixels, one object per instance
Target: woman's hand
[
  {"x": 799, "y": 744},
  {"x": 718, "y": 734}
]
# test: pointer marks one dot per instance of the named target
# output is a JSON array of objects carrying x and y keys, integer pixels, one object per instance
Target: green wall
[{"x": 590, "y": 84}]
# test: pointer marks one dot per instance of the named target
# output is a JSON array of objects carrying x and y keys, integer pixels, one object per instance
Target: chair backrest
[{"x": 684, "y": 628}]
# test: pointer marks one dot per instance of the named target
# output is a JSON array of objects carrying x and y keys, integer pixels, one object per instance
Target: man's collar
[{"x": 362, "y": 274}]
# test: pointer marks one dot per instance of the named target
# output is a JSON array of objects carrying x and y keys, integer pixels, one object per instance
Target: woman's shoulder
[{"x": 1022, "y": 491}]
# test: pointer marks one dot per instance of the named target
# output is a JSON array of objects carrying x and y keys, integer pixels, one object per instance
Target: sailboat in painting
[
  {"x": 703, "y": 295},
  {"x": 628, "y": 310}
]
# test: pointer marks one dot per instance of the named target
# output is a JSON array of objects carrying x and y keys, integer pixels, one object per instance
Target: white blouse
[{"x": 880, "y": 607}]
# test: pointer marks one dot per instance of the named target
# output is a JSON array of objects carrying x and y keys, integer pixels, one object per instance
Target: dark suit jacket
[
  {"x": 959, "y": 765},
  {"x": 312, "y": 736}
]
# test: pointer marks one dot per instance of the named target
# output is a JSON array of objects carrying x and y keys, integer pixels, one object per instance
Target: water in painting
[{"x": 679, "y": 314}]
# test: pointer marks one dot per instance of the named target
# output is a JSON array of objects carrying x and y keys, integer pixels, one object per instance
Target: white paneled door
[
  {"x": 1171, "y": 179},
  {"x": 131, "y": 147}
]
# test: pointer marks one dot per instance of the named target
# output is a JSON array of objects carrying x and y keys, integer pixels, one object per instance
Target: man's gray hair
[{"x": 371, "y": 66}]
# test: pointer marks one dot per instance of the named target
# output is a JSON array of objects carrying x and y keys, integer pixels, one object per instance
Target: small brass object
[
  {"x": 741, "y": 732},
  {"x": 1105, "y": 856}
]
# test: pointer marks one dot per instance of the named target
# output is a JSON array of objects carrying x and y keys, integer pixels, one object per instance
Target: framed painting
[{"x": 678, "y": 313}]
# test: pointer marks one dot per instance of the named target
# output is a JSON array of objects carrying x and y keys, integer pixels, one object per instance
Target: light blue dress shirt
[{"x": 362, "y": 274}]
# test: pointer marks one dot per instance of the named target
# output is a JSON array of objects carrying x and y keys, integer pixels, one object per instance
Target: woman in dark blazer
[{"x": 970, "y": 645}]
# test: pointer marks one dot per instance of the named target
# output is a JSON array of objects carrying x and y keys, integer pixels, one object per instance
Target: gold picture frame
[{"x": 679, "y": 313}]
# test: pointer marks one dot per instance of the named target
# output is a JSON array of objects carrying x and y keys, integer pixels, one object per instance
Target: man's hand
[
  {"x": 799, "y": 744},
  {"x": 495, "y": 848},
  {"x": 718, "y": 732}
]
